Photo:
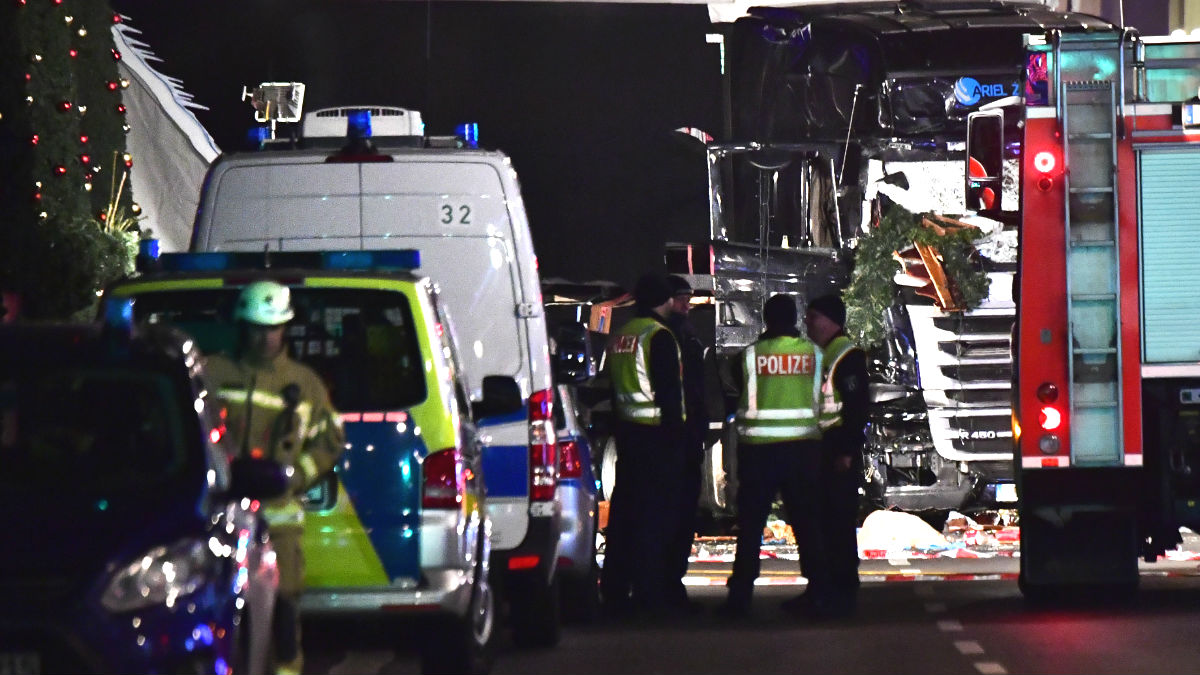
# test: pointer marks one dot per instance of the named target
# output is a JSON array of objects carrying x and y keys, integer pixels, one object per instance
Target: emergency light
[
  {"x": 1044, "y": 161},
  {"x": 217, "y": 261},
  {"x": 469, "y": 132}
]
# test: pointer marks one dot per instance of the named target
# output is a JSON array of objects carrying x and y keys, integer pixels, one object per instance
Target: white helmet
[{"x": 265, "y": 303}]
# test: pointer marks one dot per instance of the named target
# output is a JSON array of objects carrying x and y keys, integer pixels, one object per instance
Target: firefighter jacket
[
  {"x": 280, "y": 410},
  {"x": 831, "y": 398},
  {"x": 781, "y": 390},
  {"x": 647, "y": 375}
]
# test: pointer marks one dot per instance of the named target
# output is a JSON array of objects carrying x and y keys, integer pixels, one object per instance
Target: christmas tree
[{"x": 69, "y": 224}]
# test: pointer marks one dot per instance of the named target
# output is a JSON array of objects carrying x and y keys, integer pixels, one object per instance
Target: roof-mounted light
[
  {"x": 211, "y": 261},
  {"x": 358, "y": 124},
  {"x": 469, "y": 132},
  {"x": 405, "y": 259}
]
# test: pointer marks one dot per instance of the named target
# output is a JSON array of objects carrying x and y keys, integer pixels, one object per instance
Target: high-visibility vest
[
  {"x": 629, "y": 354},
  {"x": 831, "y": 400},
  {"x": 782, "y": 389}
]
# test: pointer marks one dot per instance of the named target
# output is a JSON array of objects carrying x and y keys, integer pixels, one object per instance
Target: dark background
[{"x": 582, "y": 96}]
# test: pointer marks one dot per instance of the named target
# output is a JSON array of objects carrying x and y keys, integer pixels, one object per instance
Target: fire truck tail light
[
  {"x": 1047, "y": 393},
  {"x": 1044, "y": 161},
  {"x": 1049, "y": 418}
]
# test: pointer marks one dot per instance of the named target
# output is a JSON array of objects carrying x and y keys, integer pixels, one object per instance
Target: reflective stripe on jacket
[
  {"x": 779, "y": 400},
  {"x": 307, "y": 437},
  {"x": 629, "y": 352},
  {"x": 831, "y": 400}
]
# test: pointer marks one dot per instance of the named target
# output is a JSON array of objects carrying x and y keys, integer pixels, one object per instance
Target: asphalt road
[{"x": 921, "y": 615}]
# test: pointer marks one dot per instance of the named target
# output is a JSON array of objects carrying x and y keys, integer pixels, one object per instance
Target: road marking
[
  {"x": 968, "y": 647},
  {"x": 935, "y": 607},
  {"x": 363, "y": 662},
  {"x": 990, "y": 668},
  {"x": 949, "y": 626}
]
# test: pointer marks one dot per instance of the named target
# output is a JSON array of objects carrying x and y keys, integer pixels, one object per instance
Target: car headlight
[{"x": 159, "y": 577}]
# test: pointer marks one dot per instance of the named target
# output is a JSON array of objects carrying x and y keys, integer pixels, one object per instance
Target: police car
[{"x": 400, "y": 525}]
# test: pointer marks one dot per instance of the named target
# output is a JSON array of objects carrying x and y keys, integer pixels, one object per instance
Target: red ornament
[
  {"x": 86, "y": 159},
  {"x": 58, "y": 2},
  {"x": 60, "y": 170},
  {"x": 34, "y": 140},
  {"x": 116, "y": 17},
  {"x": 102, "y": 216},
  {"x": 112, "y": 86},
  {"x": 129, "y": 164},
  {"x": 37, "y": 196},
  {"x": 83, "y": 139},
  {"x": 120, "y": 108},
  {"x": 28, "y": 77},
  {"x": 116, "y": 55},
  {"x": 64, "y": 106},
  {"x": 73, "y": 53},
  {"x": 88, "y": 177}
]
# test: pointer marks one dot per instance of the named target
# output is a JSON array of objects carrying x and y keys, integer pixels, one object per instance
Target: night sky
[{"x": 582, "y": 96}]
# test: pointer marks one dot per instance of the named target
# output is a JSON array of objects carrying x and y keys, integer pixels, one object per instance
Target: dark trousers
[
  {"x": 792, "y": 470},
  {"x": 840, "y": 510},
  {"x": 643, "y": 517},
  {"x": 689, "y": 504}
]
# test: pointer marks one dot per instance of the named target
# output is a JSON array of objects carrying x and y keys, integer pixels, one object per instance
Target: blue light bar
[
  {"x": 195, "y": 262},
  {"x": 258, "y": 136},
  {"x": 118, "y": 313},
  {"x": 358, "y": 124},
  {"x": 149, "y": 248},
  {"x": 469, "y": 133},
  {"x": 406, "y": 259}
]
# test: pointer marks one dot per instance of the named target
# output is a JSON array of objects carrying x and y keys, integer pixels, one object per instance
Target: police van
[{"x": 461, "y": 206}]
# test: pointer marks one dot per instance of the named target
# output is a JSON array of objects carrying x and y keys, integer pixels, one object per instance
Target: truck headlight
[{"x": 159, "y": 577}]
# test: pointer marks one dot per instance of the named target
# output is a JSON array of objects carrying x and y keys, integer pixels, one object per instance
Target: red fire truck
[{"x": 1106, "y": 391}]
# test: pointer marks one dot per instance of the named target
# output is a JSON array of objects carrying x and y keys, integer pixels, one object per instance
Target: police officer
[
  {"x": 843, "y": 420},
  {"x": 778, "y": 448},
  {"x": 647, "y": 390},
  {"x": 279, "y": 409},
  {"x": 696, "y": 427}
]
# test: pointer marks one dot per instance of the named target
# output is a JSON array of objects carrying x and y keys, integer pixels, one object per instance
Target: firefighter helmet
[{"x": 265, "y": 303}]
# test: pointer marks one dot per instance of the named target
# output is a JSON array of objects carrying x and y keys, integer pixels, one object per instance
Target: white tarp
[{"x": 171, "y": 150}]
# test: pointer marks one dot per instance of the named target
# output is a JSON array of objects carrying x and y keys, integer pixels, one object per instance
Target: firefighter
[
  {"x": 843, "y": 421},
  {"x": 278, "y": 409},
  {"x": 696, "y": 426},
  {"x": 778, "y": 448},
  {"x": 647, "y": 390}
]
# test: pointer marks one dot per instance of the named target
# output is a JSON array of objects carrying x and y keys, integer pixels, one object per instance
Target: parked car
[
  {"x": 578, "y": 568},
  {"x": 134, "y": 545},
  {"x": 400, "y": 526}
]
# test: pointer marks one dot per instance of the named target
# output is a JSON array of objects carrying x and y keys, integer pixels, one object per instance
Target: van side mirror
[
  {"x": 984, "y": 171},
  {"x": 501, "y": 396},
  {"x": 257, "y": 479},
  {"x": 573, "y": 360}
]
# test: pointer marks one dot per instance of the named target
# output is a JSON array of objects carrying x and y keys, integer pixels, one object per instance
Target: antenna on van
[{"x": 276, "y": 102}]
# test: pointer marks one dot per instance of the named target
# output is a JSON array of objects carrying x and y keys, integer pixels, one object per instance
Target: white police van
[{"x": 462, "y": 208}]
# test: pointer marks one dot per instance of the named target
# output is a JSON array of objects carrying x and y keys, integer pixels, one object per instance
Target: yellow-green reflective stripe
[
  {"x": 778, "y": 432},
  {"x": 308, "y": 465},
  {"x": 778, "y": 414},
  {"x": 171, "y": 285},
  {"x": 638, "y": 397},
  {"x": 288, "y": 514}
]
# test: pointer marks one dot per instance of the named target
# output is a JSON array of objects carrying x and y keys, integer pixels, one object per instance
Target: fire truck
[{"x": 1106, "y": 342}]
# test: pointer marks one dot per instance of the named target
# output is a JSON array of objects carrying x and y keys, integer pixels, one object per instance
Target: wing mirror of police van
[
  {"x": 574, "y": 362},
  {"x": 258, "y": 479},
  {"x": 501, "y": 396}
]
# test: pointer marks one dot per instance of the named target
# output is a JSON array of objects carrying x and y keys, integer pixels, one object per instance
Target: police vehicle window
[
  {"x": 111, "y": 426},
  {"x": 363, "y": 343}
]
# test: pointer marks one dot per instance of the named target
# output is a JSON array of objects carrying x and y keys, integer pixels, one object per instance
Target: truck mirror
[
  {"x": 984, "y": 171},
  {"x": 573, "y": 359}
]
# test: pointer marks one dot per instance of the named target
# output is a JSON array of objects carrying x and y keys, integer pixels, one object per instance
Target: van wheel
[
  {"x": 463, "y": 644},
  {"x": 535, "y": 613}
]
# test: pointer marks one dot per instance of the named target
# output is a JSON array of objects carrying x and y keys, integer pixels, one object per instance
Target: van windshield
[{"x": 363, "y": 343}]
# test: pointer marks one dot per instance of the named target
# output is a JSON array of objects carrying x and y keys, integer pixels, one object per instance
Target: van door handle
[{"x": 527, "y": 310}]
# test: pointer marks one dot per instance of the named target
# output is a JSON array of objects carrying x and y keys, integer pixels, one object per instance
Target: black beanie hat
[
  {"x": 780, "y": 312},
  {"x": 652, "y": 289},
  {"x": 831, "y": 306},
  {"x": 679, "y": 285}
]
